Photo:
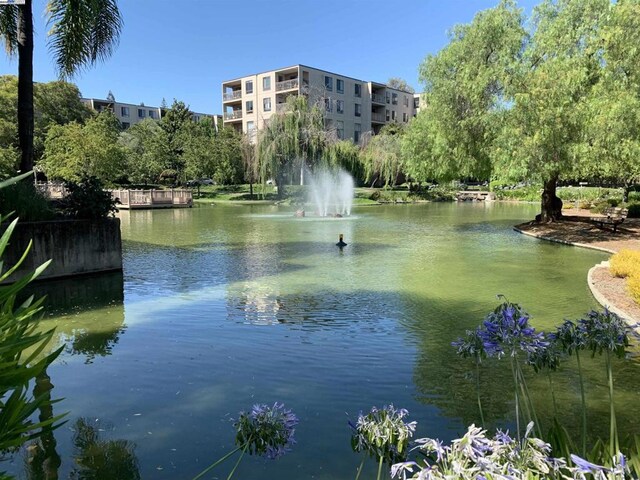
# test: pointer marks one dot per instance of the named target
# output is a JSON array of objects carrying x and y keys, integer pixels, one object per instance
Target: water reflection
[{"x": 99, "y": 459}]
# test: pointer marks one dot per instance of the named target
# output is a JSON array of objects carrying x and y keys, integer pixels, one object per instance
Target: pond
[{"x": 221, "y": 307}]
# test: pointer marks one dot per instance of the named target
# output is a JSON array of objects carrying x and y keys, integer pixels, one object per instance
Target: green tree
[
  {"x": 400, "y": 84},
  {"x": 249, "y": 154},
  {"x": 56, "y": 103},
  {"x": 543, "y": 128},
  {"x": 82, "y": 32},
  {"x": 292, "y": 141},
  {"x": 74, "y": 151},
  {"x": 175, "y": 122},
  {"x": 147, "y": 151},
  {"x": 229, "y": 164},
  {"x": 611, "y": 146},
  {"x": 346, "y": 155},
  {"x": 382, "y": 157},
  {"x": 464, "y": 97}
]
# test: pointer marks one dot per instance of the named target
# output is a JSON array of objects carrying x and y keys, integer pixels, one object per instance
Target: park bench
[{"x": 612, "y": 217}]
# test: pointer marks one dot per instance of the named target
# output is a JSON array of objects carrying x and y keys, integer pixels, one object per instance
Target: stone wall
[{"x": 75, "y": 247}]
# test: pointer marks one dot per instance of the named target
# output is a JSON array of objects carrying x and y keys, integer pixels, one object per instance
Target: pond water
[{"x": 222, "y": 307}]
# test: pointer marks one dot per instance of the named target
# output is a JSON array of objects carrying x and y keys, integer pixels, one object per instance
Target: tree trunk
[
  {"x": 49, "y": 455},
  {"x": 551, "y": 205},
  {"x": 625, "y": 192},
  {"x": 25, "y": 85},
  {"x": 280, "y": 185},
  {"x": 250, "y": 189}
]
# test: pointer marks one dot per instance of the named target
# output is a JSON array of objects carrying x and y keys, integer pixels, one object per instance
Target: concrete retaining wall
[{"x": 75, "y": 246}]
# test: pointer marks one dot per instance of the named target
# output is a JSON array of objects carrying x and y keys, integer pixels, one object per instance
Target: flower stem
[
  {"x": 210, "y": 467},
  {"x": 515, "y": 381},
  {"x": 614, "y": 444},
  {"x": 478, "y": 390},
  {"x": 360, "y": 468},
  {"x": 531, "y": 411},
  {"x": 553, "y": 395},
  {"x": 246, "y": 445},
  {"x": 379, "y": 468},
  {"x": 584, "y": 406}
]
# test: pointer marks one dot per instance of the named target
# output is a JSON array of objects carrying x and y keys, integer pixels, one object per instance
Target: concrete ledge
[
  {"x": 564, "y": 242},
  {"x": 75, "y": 247},
  {"x": 605, "y": 302}
]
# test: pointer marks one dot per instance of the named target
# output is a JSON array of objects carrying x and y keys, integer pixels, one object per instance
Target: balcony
[
  {"x": 229, "y": 96},
  {"x": 377, "y": 98},
  {"x": 378, "y": 117},
  {"x": 235, "y": 115},
  {"x": 287, "y": 85}
]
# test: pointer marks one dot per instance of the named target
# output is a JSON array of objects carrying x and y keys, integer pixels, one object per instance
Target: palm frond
[
  {"x": 82, "y": 32},
  {"x": 9, "y": 28}
]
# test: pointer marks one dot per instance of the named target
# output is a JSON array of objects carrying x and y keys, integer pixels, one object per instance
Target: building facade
[
  {"x": 352, "y": 107},
  {"x": 129, "y": 114}
]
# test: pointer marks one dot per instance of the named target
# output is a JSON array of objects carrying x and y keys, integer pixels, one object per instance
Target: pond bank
[{"x": 608, "y": 290}]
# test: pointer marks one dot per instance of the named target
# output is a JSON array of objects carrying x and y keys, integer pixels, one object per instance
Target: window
[
  {"x": 393, "y": 114},
  {"x": 416, "y": 102},
  {"x": 340, "y": 106},
  {"x": 388, "y": 115},
  {"x": 357, "y": 90},
  {"x": 358, "y": 110},
  {"x": 405, "y": 117},
  {"x": 124, "y": 111},
  {"x": 249, "y": 106},
  {"x": 328, "y": 105},
  {"x": 340, "y": 85},
  {"x": 248, "y": 86},
  {"x": 328, "y": 83},
  {"x": 266, "y": 83},
  {"x": 394, "y": 98},
  {"x": 125, "y": 125},
  {"x": 141, "y": 112},
  {"x": 388, "y": 97},
  {"x": 250, "y": 127},
  {"x": 340, "y": 129},
  {"x": 266, "y": 104},
  {"x": 152, "y": 114},
  {"x": 356, "y": 132},
  {"x": 406, "y": 101}
]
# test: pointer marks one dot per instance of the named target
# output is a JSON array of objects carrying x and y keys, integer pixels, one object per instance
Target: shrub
[
  {"x": 24, "y": 201},
  {"x": 625, "y": 263},
  {"x": 633, "y": 286},
  {"x": 634, "y": 210},
  {"x": 87, "y": 200}
]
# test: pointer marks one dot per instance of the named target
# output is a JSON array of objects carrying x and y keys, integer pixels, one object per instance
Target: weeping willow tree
[
  {"x": 292, "y": 141},
  {"x": 382, "y": 157}
]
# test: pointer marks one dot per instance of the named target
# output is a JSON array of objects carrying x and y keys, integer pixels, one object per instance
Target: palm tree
[{"x": 82, "y": 32}]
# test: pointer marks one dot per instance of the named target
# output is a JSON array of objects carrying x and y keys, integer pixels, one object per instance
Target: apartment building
[
  {"x": 129, "y": 114},
  {"x": 352, "y": 107}
]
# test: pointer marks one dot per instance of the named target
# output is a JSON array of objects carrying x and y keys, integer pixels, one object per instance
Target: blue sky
[{"x": 184, "y": 49}]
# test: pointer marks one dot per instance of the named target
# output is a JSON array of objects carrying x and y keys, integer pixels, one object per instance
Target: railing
[
  {"x": 232, "y": 95},
  {"x": 378, "y": 117},
  {"x": 287, "y": 85},
  {"x": 153, "y": 198},
  {"x": 236, "y": 114},
  {"x": 377, "y": 98},
  {"x": 52, "y": 190}
]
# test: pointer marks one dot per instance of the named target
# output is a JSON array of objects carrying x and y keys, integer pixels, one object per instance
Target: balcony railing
[
  {"x": 236, "y": 114},
  {"x": 377, "y": 117},
  {"x": 376, "y": 98},
  {"x": 235, "y": 95},
  {"x": 287, "y": 85}
]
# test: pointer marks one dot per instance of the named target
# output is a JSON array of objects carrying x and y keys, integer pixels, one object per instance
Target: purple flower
[
  {"x": 586, "y": 466},
  {"x": 267, "y": 431}
]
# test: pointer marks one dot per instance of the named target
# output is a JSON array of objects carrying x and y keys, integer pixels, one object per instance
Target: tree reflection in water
[{"x": 98, "y": 459}]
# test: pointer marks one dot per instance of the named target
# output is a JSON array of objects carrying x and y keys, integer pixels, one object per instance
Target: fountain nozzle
[{"x": 341, "y": 241}]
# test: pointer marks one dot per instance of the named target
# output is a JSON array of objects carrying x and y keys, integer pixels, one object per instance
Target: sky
[{"x": 185, "y": 49}]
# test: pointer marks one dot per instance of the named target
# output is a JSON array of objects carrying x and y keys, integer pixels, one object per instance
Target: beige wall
[{"x": 317, "y": 93}]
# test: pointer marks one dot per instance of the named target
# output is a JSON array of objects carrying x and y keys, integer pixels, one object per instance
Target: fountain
[{"x": 331, "y": 192}]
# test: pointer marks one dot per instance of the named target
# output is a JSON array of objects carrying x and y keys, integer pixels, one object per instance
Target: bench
[{"x": 612, "y": 217}]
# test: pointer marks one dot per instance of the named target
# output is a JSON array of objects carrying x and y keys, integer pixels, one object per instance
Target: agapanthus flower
[
  {"x": 570, "y": 337},
  {"x": 507, "y": 330},
  {"x": 471, "y": 346},
  {"x": 605, "y": 331},
  {"x": 383, "y": 433},
  {"x": 546, "y": 357},
  {"x": 267, "y": 431}
]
